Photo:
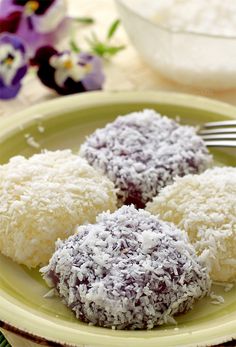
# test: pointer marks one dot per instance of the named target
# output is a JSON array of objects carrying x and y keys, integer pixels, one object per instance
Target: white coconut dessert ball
[
  {"x": 205, "y": 206},
  {"x": 44, "y": 198}
]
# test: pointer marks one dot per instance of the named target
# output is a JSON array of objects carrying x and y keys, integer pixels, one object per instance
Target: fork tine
[
  {"x": 219, "y": 134},
  {"x": 206, "y": 131},
  {"x": 220, "y": 143},
  {"x": 220, "y": 124},
  {"x": 219, "y": 137}
]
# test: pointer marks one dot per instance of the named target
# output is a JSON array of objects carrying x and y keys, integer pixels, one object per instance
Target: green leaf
[
  {"x": 74, "y": 47},
  {"x": 112, "y": 50},
  {"x": 111, "y": 31},
  {"x": 104, "y": 48},
  {"x": 85, "y": 20}
]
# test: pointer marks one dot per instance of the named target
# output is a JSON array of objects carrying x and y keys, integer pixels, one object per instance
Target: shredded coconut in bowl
[
  {"x": 142, "y": 152},
  {"x": 127, "y": 271},
  {"x": 44, "y": 198},
  {"x": 212, "y": 17},
  {"x": 205, "y": 206}
]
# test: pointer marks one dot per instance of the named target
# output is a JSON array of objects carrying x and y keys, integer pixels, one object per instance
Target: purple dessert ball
[
  {"x": 128, "y": 271},
  {"x": 143, "y": 152}
]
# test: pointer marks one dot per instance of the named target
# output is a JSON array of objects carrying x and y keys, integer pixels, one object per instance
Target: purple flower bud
[
  {"x": 13, "y": 65},
  {"x": 68, "y": 72},
  {"x": 37, "y": 22}
]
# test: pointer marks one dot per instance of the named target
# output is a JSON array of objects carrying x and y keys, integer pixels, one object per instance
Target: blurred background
[{"x": 127, "y": 70}]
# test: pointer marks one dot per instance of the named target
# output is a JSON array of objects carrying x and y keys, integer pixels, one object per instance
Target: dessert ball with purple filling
[
  {"x": 128, "y": 271},
  {"x": 142, "y": 152}
]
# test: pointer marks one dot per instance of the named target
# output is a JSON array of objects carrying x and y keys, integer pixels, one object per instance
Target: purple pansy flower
[
  {"x": 38, "y": 22},
  {"x": 68, "y": 72},
  {"x": 13, "y": 65}
]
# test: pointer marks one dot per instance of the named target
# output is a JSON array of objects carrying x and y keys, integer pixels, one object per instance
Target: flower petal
[
  {"x": 35, "y": 40},
  {"x": 43, "y": 55},
  {"x": 48, "y": 24},
  {"x": 41, "y": 5},
  {"x": 13, "y": 65},
  {"x": 20, "y": 74},
  {"x": 72, "y": 87},
  {"x": 9, "y": 92},
  {"x": 95, "y": 79},
  {"x": 60, "y": 77},
  {"x": 51, "y": 19},
  {"x": 67, "y": 72},
  {"x": 11, "y": 22},
  {"x": 8, "y": 6},
  {"x": 45, "y": 71},
  {"x": 15, "y": 41},
  {"x": 44, "y": 6},
  {"x": 20, "y": 2}
]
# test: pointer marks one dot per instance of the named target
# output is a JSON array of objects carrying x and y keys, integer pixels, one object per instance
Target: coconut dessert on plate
[
  {"x": 44, "y": 198},
  {"x": 129, "y": 270},
  {"x": 142, "y": 152}
]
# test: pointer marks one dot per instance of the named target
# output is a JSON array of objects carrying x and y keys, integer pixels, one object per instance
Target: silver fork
[{"x": 219, "y": 134}]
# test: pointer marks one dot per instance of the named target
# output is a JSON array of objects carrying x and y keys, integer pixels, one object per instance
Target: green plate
[{"x": 66, "y": 122}]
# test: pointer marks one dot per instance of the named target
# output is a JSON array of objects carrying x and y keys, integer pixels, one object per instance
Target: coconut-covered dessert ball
[
  {"x": 43, "y": 198},
  {"x": 127, "y": 271},
  {"x": 205, "y": 206},
  {"x": 142, "y": 152}
]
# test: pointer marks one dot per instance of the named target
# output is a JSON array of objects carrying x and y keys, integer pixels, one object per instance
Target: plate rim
[
  {"x": 97, "y": 98},
  {"x": 91, "y": 339},
  {"x": 56, "y": 106}
]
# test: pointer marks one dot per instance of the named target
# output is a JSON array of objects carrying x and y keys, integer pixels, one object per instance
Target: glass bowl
[{"x": 197, "y": 60}]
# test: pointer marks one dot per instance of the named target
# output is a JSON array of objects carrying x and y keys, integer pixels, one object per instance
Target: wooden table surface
[{"x": 126, "y": 71}]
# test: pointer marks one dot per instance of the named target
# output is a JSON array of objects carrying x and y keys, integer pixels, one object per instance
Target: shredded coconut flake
[
  {"x": 50, "y": 294},
  {"x": 31, "y": 141},
  {"x": 127, "y": 271},
  {"x": 142, "y": 152},
  {"x": 41, "y": 129},
  {"x": 216, "y": 299}
]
